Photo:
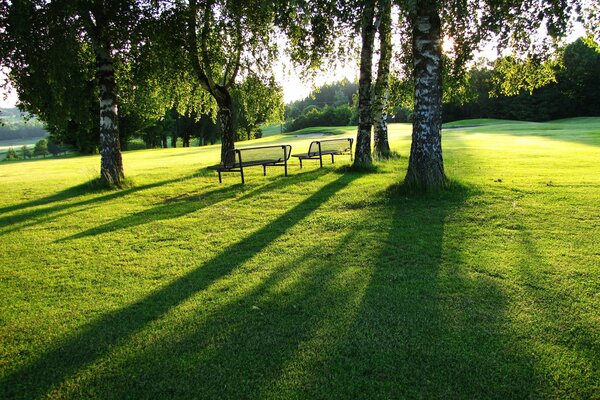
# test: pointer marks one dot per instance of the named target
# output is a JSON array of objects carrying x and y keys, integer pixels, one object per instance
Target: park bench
[
  {"x": 254, "y": 156},
  {"x": 320, "y": 148}
]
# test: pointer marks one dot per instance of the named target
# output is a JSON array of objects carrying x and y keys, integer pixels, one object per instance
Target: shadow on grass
[
  {"x": 425, "y": 329},
  {"x": 387, "y": 317},
  {"x": 187, "y": 204},
  {"x": 98, "y": 338},
  {"x": 75, "y": 191}
]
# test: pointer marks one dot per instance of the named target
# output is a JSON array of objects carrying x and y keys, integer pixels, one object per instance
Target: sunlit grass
[{"x": 322, "y": 284}]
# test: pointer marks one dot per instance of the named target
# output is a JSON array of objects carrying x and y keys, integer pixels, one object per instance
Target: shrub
[
  {"x": 327, "y": 116},
  {"x": 26, "y": 152},
  {"x": 41, "y": 148},
  {"x": 11, "y": 155}
]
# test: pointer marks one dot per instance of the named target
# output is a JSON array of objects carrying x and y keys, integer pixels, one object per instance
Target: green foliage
[
  {"x": 335, "y": 104},
  {"x": 49, "y": 51},
  {"x": 56, "y": 148},
  {"x": 332, "y": 94},
  {"x": 570, "y": 89},
  {"x": 41, "y": 148},
  {"x": 26, "y": 152},
  {"x": 511, "y": 75},
  {"x": 327, "y": 116},
  {"x": 11, "y": 155},
  {"x": 256, "y": 103}
]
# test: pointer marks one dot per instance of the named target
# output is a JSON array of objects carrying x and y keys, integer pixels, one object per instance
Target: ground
[{"x": 323, "y": 284}]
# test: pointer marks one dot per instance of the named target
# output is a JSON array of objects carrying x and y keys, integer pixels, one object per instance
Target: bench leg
[
  {"x": 285, "y": 167},
  {"x": 220, "y": 181},
  {"x": 332, "y": 159},
  {"x": 300, "y": 163},
  {"x": 264, "y": 170},
  {"x": 242, "y": 173},
  {"x": 321, "y": 160}
]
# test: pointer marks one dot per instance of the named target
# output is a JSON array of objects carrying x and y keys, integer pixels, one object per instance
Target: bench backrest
[
  {"x": 330, "y": 145},
  {"x": 279, "y": 153}
]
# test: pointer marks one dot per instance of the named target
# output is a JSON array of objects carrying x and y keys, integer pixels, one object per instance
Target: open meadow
[{"x": 323, "y": 284}]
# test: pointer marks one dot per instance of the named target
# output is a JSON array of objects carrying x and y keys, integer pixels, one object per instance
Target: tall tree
[
  {"x": 466, "y": 23},
  {"x": 426, "y": 165},
  {"x": 70, "y": 40},
  {"x": 257, "y": 102},
  {"x": 225, "y": 39},
  {"x": 96, "y": 19},
  {"x": 365, "y": 113},
  {"x": 382, "y": 82}
]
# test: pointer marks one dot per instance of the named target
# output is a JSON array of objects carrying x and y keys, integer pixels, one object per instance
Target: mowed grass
[{"x": 323, "y": 284}]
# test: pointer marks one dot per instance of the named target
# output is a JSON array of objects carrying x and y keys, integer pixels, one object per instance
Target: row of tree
[
  {"x": 140, "y": 58},
  {"x": 42, "y": 148}
]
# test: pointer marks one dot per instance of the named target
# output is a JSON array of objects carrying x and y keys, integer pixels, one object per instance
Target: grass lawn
[{"x": 323, "y": 284}]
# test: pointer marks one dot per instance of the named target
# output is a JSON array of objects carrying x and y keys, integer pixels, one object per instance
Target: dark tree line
[{"x": 574, "y": 92}]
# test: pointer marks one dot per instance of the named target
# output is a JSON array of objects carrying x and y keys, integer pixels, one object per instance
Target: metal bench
[
  {"x": 333, "y": 147},
  {"x": 252, "y": 156}
]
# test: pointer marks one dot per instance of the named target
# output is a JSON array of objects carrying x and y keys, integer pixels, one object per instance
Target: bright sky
[
  {"x": 294, "y": 88},
  {"x": 7, "y": 99}
]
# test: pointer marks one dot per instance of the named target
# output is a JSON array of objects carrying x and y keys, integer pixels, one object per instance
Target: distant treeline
[
  {"x": 573, "y": 90},
  {"x": 16, "y": 125}
]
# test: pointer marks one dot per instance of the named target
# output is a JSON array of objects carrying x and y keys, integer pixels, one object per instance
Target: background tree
[
  {"x": 257, "y": 102},
  {"x": 26, "y": 152},
  {"x": 64, "y": 58},
  {"x": 11, "y": 155},
  {"x": 365, "y": 112},
  {"x": 223, "y": 40},
  {"x": 382, "y": 82},
  {"x": 41, "y": 148}
]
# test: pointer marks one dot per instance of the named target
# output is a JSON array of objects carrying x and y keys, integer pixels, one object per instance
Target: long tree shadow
[
  {"x": 392, "y": 317},
  {"x": 425, "y": 329},
  {"x": 245, "y": 343},
  {"x": 76, "y": 191},
  {"x": 98, "y": 338},
  {"x": 557, "y": 303},
  {"x": 189, "y": 203}
]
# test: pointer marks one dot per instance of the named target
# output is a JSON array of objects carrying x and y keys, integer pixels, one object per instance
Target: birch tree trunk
[
  {"x": 111, "y": 163},
  {"x": 365, "y": 116},
  {"x": 381, "y": 89},
  {"x": 426, "y": 165}
]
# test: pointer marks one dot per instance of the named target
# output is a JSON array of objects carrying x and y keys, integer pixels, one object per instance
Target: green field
[{"x": 323, "y": 284}]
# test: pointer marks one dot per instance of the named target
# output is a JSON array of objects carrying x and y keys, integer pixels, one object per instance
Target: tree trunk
[
  {"x": 381, "y": 89},
  {"x": 111, "y": 163},
  {"x": 164, "y": 141},
  {"x": 365, "y": 117},
  {"x": 426, "y": 166},
  {"x": 225, "y": 117}
]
